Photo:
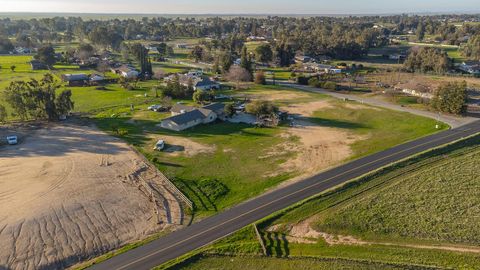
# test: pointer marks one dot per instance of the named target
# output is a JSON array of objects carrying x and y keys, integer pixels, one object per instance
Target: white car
[
  {"x": 159, "y": 145},
  {"x": 12, "y": 140},
  {"x": 155, "y": 108}
]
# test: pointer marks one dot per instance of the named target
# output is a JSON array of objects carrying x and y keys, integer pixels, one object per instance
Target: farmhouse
[
  {"x": 303, "y": 59},
  {"x": 205, "y": 85},
  {"x": 472, "y": 67},
  {"x": 76, "y": 79},
  {"x": 126, "y": 72},
  {"x": 185, "y": 117},
  {"x": 198, "y": 82}
]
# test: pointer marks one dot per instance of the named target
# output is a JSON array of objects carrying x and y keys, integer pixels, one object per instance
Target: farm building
[
  {"x": 472, "y": 67},
  {"x": 76, "y": 79},
  {"x": 126, "y": 72},
  {"x": 185, "y": 117},
  {"x": 206, "y": 85}
]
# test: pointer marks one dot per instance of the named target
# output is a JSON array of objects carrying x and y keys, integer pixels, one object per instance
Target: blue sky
[{"x": 241, "y": 6}]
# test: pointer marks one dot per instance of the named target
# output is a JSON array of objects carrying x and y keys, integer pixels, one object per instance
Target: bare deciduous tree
[{"x": 238, "y": 74}]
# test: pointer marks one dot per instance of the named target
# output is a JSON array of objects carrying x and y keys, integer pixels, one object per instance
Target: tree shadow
[{"x": 334, "y": 123}]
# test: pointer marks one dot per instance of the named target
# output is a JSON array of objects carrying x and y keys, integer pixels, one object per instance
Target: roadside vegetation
[{"x": 404, "y": 216}]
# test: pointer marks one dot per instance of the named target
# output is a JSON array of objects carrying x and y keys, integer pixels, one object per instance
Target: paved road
[
  {"x": 213, "y": 228},
  {"x": 452, "y": 121}
]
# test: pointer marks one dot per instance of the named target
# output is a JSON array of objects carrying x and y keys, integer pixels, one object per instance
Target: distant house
[
  {"x": 96, "y": 79},
  {"x": 128, "y": 72},
  {"x": 397, "y": 57},
  {"x": 322, "y": 68},
  {"x": 182, "y": 46},
  {"x": 471, "y": 67},
  {"x": 206, "y": 85},
  {"x": 37, "y": 65},
  {"x": 185, "y": 117},
  {"x": 76, "y": 79},
  {"x": 22, "y": 50},
  {"x": 303, "y": 59},
  {"x": 256, "y": 38},
  {"x": 198, "y": 82}
]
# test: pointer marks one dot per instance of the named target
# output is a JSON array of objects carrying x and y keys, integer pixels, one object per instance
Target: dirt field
[
  {"x": 69, "y": 192},
  {"x": 320, "y": 147},
  {"x": 176, "y": 146}
]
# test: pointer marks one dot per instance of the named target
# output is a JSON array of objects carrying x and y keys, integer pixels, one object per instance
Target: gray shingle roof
[
  {"x": 186, "y": 117},
  {"x": 178, "y": 108},
  {"x": 206, "y": 82},
  {"x": 215, "y": 106},
  {"x": 76, "y": 77}
]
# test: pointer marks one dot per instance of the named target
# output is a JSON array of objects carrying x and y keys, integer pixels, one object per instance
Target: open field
[
  {"x": 70, "y": 192},
  {"x": 323, "y": 128},
  {"x": 255, "y": 262},
  {"x": 405, "y": 216}
]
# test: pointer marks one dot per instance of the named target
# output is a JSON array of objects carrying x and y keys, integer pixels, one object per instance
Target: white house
[
  {"x": 128, "y": 72},
  {"x": 185, "y": 117}
]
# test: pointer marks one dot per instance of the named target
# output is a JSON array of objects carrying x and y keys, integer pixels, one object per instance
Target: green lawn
[
  {"x": 235, "y": 160},
  {"x": 255, "y": 262},
  {"x": 381, "y": 128}
]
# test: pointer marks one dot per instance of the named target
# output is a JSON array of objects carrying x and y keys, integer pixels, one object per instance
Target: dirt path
[
  {"x": 304, "y": 233},
  {"x": 69, "y": 193}
]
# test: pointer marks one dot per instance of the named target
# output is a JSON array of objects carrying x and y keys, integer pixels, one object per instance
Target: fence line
[
  {"x": 169, "y": 183},
  {"x": 260, "y": 239}
]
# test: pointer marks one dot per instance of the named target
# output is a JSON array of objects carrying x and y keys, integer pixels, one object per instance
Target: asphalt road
[{"x": 213, "y": 228}]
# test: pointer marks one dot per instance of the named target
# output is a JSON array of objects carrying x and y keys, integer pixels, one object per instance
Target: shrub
[
  {"x": 260, "y": 78},
  {"x": 330, "y": 85},
  {"x": 213, "y": 188},
  {"x": 302, "y": 80},
  {"x": 122, "y": 131}
]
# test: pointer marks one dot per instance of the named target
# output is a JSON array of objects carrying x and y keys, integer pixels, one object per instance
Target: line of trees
[
  {"x": 427, "y": 60},
  {"x": 38, "y": 99}
]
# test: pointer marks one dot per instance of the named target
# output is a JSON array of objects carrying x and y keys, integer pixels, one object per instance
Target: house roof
[
  {"x": 215, "y": 106},
  {"x": 205, "y": 82},
  {"x": 187, "y": 117},
  {"x": 126, "y": 68},
  {"x": 178, "y": 108},
  {"x": 75, "y": 77},
  {"x": 205, "y": 112}
]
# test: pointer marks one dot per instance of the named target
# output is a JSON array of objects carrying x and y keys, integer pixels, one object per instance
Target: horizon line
[{"x": 253, "y": 13}]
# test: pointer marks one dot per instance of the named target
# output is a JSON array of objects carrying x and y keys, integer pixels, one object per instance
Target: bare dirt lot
[
  {"x": 70, "y": 192},
  {"x": 320, "y": 147}
]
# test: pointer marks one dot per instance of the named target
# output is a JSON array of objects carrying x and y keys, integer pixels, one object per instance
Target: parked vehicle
[
  {"x": 156, "y": 108},
  {"x": 160, "y": 145},
  {"x": 12, "y": 140}
]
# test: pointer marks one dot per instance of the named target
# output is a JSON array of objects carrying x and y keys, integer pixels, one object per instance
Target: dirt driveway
[{"x": 70, "y": 192}]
